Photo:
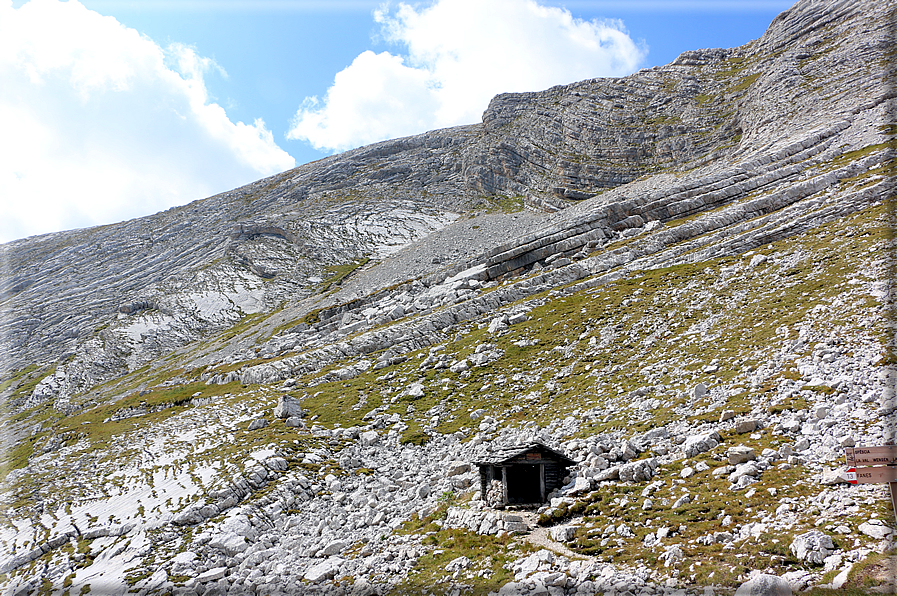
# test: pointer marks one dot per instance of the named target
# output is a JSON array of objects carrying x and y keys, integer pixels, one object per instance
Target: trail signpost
[
  {"x": 879, "y": 464},
  {"x": 873, "y": 456}
]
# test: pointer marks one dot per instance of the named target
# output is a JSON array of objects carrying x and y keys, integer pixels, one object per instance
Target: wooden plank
[
  {"x": 504, "y": 485},
  {"x": 876, "y": 474},
  {"x": 893, "y": 487},
  {"x": 880, "y": 455}
]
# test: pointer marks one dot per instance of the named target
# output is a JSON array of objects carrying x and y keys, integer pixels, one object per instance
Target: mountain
[{"x": 680, "y": 280}]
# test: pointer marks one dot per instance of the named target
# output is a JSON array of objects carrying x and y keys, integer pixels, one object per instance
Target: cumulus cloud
[
  {"x": 458, "y": 54},
  {"x": 100, "y": 124}
]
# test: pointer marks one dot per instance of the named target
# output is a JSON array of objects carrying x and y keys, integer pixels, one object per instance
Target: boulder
[
  {"x": 764, "y": 585},
  {"x": 518, "y": 318},
  {"x": 813, "y": 547},
  {"x": 322, "y": 571},
  {"x": 611, "y": 473},
  {"x": 740, "y": 454},
  {"x": 580, "y": 485},
  {"x": 288, "y": 407},
  {"x": 627, "y": 451},
  {"x": 875, "y": 529},
  {"x": 415, "y": 390},
  {"x": 638, "y": 471},
  {"x": 847, "y": 441},
  {"x": 745, "y": 469},
  {"x": 460, "y": 366},
  {"x": 369, "y": 438},
  {"x": 672, "y": 555},
  {"x": 278, "y": 464},
  {"x": 820, "y": 412},
  {"x": 188, "y": 517},
  {"x": 361, "y": 587},
  {"x": 458, "y": 564},
  {"x": 211, "y": 575},
  {"x": 745, "y": 425},
  {"x": 798, "y": 580},
  {"x": 334, "y": 547},
  {"x": 562, "y": 533},
  {"x": 498, "y": 324},
  {"x": 757, "y": 260},
  {"x": 700, "y": 443},
  {"x": 683, "y": 500},
  {"x": 257, "y": 424},
  {"x": 457, "y": 467},
  {"x": 239, "y": 525},
  {"x": 231, "y": 543}
]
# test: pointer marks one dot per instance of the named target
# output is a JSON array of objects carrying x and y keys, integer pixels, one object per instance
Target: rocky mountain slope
[{"x": 681, "y": 279}]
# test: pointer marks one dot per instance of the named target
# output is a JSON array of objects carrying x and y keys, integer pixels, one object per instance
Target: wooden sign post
[{"x": 879, "y": 464}]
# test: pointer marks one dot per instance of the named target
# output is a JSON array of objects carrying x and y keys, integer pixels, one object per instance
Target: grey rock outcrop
[
  {"x": 758, "y": 152},
  {"x": 387, "y": 290}
]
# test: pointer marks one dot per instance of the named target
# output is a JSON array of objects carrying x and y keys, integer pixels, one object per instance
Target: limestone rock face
[
  {"x": 677, "y": 277},
  {"x": 741, "y": 119}
]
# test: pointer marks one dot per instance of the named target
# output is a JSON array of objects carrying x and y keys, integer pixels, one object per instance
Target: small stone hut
[{"x": 522, "y": 475}]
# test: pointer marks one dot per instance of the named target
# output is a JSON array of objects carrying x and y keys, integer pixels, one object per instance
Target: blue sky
[{"x": 122, "y": 108}]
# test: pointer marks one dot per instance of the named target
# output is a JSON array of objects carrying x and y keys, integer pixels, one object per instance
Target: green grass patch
[
  {"x": 338, "y": 273},
  {"x": 794, "y": 403},
  {"x": 93, "y": 423},
  {"x": 504, "y": 204},
  {"x": 489, "y": 555}
]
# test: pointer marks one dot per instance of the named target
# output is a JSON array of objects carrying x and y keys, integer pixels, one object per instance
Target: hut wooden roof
[{"x": 505, "y": 454}]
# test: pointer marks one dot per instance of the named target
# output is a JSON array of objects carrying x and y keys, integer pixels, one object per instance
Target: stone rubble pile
[{"x": 484, "y": 521}]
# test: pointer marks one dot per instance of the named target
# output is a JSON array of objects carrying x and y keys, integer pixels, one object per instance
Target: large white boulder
[
  {"x": 700, "y": 443},
  {"x": 368, "y": 438},
  {"x": 323, "y": 570},
  {"x": 764, "y": 585},
  {"x": 875, "y": 528},
  {"x": 812, "y": 546},
  {"x": 229, "y": 542},
  {"x": 334, "y": 547},
  {"x": 288, "y": 407},
  {"x": 740, "y": 454}
]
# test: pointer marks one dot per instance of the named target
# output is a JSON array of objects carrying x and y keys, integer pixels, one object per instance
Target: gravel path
[{"x": 540, "y": 537}]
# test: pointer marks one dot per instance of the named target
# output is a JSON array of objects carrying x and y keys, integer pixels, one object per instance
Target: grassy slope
[{"x": 663, "y": 329}]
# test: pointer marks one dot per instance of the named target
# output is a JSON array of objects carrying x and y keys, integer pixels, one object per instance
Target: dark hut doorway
[{"x": 524, "y": 484}]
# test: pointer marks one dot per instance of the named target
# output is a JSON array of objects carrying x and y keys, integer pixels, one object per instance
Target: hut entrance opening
[{"x": 524, "y": 484}]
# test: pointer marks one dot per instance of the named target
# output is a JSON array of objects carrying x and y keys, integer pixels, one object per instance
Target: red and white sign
[
  {"x": 883, "y": 469},
  {"x": 875, "y": 474}
]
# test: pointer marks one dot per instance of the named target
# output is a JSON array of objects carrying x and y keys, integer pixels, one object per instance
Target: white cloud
[
  {"x": 460, "y": 53},
  {"x": 100, "y": 124}
]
